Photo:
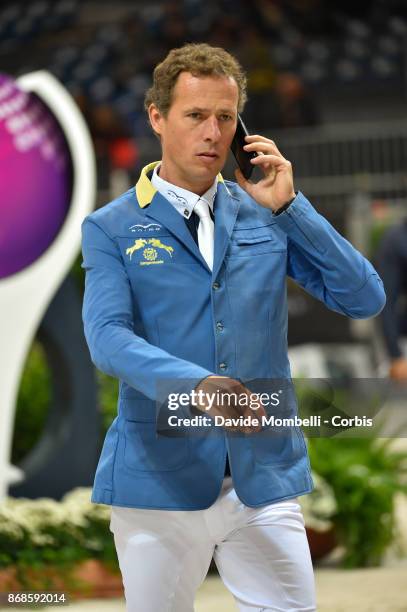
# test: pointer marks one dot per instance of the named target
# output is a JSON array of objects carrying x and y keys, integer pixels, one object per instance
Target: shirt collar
[{"x": 182, "y": 200}]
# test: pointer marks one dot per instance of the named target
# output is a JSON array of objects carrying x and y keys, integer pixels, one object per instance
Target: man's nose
[{"x": 211, "y": 129}]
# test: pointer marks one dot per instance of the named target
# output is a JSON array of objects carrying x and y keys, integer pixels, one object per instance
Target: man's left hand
[{"x": 277, "y": 187}]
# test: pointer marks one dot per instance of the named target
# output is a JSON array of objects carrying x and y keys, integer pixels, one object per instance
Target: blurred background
[{"x": 328, "y": 82}]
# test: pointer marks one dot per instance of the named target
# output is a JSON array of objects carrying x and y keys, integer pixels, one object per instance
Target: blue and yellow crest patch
[{"x": 150, "y": 248}]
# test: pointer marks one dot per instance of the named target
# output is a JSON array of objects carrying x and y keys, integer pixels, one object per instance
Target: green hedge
[{"x": 34, "y": 399}]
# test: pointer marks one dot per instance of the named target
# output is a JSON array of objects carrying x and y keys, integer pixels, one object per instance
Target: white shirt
[{"x": 182, "y": 200}]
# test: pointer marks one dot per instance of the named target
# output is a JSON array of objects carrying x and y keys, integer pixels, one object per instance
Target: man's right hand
[{"x": 230, "y": 407}]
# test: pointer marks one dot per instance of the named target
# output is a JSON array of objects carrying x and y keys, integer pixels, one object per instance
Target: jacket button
[
  {"x": 222, "y": 366},
  {"x": 219, "y": 326},
  {"x": 215, "y": 286}
]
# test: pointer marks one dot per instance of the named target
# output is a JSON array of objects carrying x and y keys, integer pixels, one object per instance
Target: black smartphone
[{"x": 242, "y": 157}]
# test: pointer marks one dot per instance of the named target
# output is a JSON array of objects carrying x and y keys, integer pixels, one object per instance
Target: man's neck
[{"x": 171, "y": 177}]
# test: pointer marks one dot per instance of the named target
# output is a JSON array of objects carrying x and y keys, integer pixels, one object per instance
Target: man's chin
[{"x": 210, "y": 169}]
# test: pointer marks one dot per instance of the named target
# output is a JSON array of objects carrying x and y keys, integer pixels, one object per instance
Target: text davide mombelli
[{"x": 253, "y": 401}]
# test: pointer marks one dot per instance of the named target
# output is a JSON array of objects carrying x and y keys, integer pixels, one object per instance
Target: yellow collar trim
[{"x": 145, "y": 190}]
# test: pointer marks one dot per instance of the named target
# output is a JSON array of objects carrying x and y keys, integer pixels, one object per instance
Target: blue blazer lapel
[
  {"x": 161, "y": 210},
  {"x": 226, "y": 209}
]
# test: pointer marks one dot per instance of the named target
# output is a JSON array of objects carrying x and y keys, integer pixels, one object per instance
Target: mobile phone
[{"x": 242, "y": 157}]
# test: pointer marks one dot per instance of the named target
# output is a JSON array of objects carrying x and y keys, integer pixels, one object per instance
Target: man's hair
[{"x": 199, "y": 59}]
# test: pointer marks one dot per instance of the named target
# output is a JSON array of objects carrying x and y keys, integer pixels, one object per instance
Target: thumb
[{"x": 241, "y": 181}]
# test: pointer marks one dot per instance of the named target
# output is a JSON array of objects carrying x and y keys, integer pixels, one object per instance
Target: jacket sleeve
[
  {"x": 326, "y": 265},
  {"x": 109, "y": 327}
]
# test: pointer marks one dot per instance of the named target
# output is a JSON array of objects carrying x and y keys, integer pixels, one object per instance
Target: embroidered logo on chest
[
  {"x": 149, "y": 253},
  {"x": 150, "y": 227}
]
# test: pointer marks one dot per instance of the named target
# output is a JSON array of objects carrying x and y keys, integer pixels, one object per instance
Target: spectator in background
[
  {"x": 392, "y": 266},
  {"x": 173, "y": 30},
  {"x": 292, "y": 105},
  {"x": 255, "y": 55},
  {"x": 124, "y": 156},
  {"x": 107, "y": 128},
  {"x": 223, "y": 31}
]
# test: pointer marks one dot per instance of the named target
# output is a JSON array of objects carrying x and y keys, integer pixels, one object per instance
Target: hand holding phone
[
  {"x": 242, "y": 157},
  {"x": 275, "y": 189}
]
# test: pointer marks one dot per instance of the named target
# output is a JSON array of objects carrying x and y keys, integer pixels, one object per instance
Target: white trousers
[{"x": 262, "y": 555}]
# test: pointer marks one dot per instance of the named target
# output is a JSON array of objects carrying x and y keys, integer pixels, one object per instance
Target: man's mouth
[{"x": 208, "y": 155}]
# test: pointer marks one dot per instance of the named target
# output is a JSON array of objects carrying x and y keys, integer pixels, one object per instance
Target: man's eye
[
  {"x": 226, "y": 117},
  {"x": 194, "y": 115}
]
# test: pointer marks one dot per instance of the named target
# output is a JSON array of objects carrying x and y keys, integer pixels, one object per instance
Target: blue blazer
[{"x": 159, "y": 320}]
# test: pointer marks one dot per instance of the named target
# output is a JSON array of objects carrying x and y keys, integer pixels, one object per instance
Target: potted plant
[
  {"x": 319, "y": 508},
  {"x": 365, "y": 474},
  {"x": 50, "y": 545}
]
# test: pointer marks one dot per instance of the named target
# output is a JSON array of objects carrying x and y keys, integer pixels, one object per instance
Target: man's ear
[{"x": 155, "y": 118}]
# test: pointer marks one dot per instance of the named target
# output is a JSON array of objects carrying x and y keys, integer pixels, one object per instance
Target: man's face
[{"x": 198, "y": 130}]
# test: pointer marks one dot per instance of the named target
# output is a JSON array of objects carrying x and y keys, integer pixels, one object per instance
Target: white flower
[{"x": 35, "y": 516}]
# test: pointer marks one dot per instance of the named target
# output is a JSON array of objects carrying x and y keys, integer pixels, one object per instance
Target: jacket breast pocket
[
  {"x": 147, "y": 451},
  {"x": 246, "y": 244}
]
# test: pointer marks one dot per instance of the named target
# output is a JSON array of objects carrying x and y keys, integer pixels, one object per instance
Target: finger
[
  {"x": 258, "y": 138},
  {"x": 262, "y": 148},
  {"x": 242, "y": 181},
  {"x": 252, "y": 137},
  {"x": 255, "y": 424},
  {"x": 248, "y": 186},
  {"x": 262, "y": 409},
  {"x": 274, "y": 160},
  {"x": 257, "y": 407},
  {"x": 253, "y": 413}
]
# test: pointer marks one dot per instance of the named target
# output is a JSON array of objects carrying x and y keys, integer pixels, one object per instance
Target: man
[
  {"x": 185, "y": 292},
  {"x": 392, "y": 265}
]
